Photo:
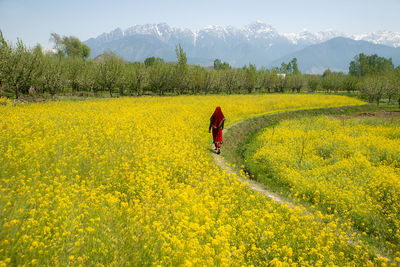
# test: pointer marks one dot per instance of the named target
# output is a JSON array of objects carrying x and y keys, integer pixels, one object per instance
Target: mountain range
[{"x": 257, "y": 43}]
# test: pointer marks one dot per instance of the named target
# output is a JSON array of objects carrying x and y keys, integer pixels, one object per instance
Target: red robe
[{"x": 216, "y": 119}]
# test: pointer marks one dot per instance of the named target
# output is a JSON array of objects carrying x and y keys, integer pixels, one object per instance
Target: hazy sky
[{"x": 33, "y": 20}]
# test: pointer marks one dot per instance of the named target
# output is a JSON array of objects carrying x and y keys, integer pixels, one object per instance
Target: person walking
[{"x": 217, "y": 125}]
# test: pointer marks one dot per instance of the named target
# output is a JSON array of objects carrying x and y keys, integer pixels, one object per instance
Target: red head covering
[{"x": 217, "y": 116}]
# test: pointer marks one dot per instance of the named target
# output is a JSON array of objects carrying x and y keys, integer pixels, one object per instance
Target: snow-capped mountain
[
  {"x": 388, "y": 38},
  {"x": 307, "y": 37},
  {"x": 257, "y": 43}
]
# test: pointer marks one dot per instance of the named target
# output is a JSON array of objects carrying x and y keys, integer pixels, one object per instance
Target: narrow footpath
[
  {"x": 252, "y": 184},
  {"x": 244, "y": 129}
]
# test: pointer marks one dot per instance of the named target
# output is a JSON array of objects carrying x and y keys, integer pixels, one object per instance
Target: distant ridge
[
  {"x": 257, "y": 43},
  {"x": 336, "y": 54}
]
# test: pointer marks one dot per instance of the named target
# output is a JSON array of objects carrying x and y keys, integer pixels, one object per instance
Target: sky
[{"x": 33, "y": 21}]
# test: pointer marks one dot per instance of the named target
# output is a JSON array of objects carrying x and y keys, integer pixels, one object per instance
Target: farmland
[
  {"x": 130, "y": 181},
  {"x": 345, "y": 166}
]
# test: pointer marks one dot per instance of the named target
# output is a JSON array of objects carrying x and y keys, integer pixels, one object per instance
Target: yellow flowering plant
[{"x": 130, "y": 181}]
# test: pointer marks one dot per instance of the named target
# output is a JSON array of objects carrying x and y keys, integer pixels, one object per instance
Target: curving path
[
  {"x": 252, "y": 184},
  {"x": 244, "y": 129}
]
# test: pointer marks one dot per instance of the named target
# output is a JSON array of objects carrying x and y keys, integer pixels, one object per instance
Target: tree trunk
[
  {"x": 138, "y": 88},
  {"x": 16, "y": 92},
  {"x": 110, "y": 91},
  {"x": 371, "y": 99},
  {"x": 52, "y": 92}
]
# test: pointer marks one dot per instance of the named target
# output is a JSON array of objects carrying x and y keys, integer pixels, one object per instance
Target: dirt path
[
  {"x": 262, "y": 189},
  {"x": 253, "y": 185},
  {"x": 254, "y": 124}
]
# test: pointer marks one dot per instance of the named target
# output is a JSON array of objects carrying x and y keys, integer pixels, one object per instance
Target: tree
[
  {"x": 230, "y": 80},
  {"x": 148, "y": 62},
  {"x": 396, "y": 84},
  {"x": 133, "y": 78},
  {"x": 139, "y": 75},
  {"x": 207, "y": 81},
  {"x": 18, "y": 67},
  {"x": 331, "y": 81},
  {"x": 196, "y": 79},
  {"x": 109, "y": 72},
  {"x": 295, "y": 68},
  {"x": 52, "y": 77},
  {"x": 160, "y": 76},
  {"x": 313, "y": 82},
  {"x": 393, "y": 89},
  {"x": 87, "y": 78},
  {"x": 350, "y": 83},
  {"x": 181, "y": 70},
  {"x": 74, "y": 66},
  {"x": 374, "y": 87},
  {"x": 285, "y": 68},
  {"x": 218, "y": 81},
  {"x": 250, "y": 77},
  {"x": 295, "y": 82},
  {"x": 219, "y": 65},
  {"x": 271, "y": 81},
  {"x": 70, "y": 46},
  {"x": 4, "y": 55},
  {"x": 282, "y": 83},
  {"x": 290, "y": 68},
  {"x": 370, "y": 65}
]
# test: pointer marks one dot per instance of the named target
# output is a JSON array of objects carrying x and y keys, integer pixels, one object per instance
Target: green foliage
[
  {"x": 295, "y": 82},
  {"x": 70, "y": 46},
  {"x": 250, "y": 77},
  {"x": 52, "y": 77},
  {"x": 350, "y": 83},
  {"x": 134, "y": 78},
  {"x": 219, "y": 65},
  {"x": 200, "y": 80},
  {"x": 331, "y": 81},
  {"x": 148, "y": 62},
  {"x": 28, "y": 71},
  {"x": 109, "y": 72},
  {"x": 363, "y": 65},
  {"x": 74, "y": 66},
  {"x": 374, "y": 87},
  {"x": 313, "y": 82},
  {"x": 231, "y": 81},
  {"x": 18, "y": 70},
  {"x": 87, "y": 78},
  {"x": 290, "y": 68},
  {"x": 160, "y": 77},
  {"x": 271, "y": 81},
  {"x": 181, "y": 70}
]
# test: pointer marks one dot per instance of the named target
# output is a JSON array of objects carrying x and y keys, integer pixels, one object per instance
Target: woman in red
[{"x": 217, "y": 123}]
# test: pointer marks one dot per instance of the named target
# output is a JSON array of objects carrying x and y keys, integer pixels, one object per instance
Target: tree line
[{"x": 68, "y": 70}]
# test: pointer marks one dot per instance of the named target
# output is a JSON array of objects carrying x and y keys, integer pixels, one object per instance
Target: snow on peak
[
  {"x": 258, "y": 30},
  {"x": 380, "y": 37},
  {"x": 309, "y": 37}
]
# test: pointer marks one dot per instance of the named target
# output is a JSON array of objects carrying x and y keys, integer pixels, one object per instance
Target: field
[
  {"x": 345, "y": 166},
  {"x": 130, "y": 181}
]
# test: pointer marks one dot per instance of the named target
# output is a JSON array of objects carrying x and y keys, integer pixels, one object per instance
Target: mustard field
[
  {"x": 348, "y": 167},
  {"x": 131, "y": 181}
]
